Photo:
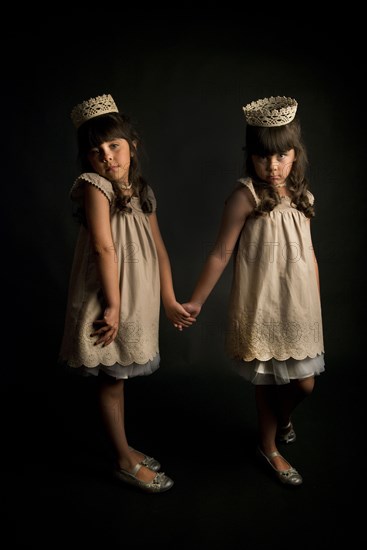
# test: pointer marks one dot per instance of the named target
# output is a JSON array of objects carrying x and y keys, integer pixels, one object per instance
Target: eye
[
  {"x": 93, "y": 153},
  {"x": 283, "y": 154},
  {"x": 259, "y": 158}
]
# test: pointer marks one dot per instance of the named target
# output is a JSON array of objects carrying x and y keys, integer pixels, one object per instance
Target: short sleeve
[
  {"x": 247, "y": 182},
  {"x": 311, "y": 198},
  {"x": 151, "y": 199},
  {"x": 103, "y": 184}
]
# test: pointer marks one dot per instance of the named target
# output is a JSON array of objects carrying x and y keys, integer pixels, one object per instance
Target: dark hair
[
  {"x": 108, "y": 127},
  {"x": 276, "y": 140}
]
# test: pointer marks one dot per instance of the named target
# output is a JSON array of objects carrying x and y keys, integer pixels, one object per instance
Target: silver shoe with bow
[{"x": 289, "y": 476}]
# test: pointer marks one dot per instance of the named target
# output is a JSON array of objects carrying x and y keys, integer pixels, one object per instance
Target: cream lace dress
[
  {"x": 275, "y": 326},
  {"x": 135, "y": 350}
]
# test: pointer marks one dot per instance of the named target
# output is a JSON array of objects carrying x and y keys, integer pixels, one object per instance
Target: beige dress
[
  {"x": 135, "y": 349},
  {"x": 275, "y": 323}
]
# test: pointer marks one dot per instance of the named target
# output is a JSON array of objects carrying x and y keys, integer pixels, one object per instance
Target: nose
[
  {"x": 272, "y": 163},
  {"x": 106, "y": 156}
]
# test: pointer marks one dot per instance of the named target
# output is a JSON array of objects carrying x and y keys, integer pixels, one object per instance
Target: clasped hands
[{"x": 183, "y": 315}]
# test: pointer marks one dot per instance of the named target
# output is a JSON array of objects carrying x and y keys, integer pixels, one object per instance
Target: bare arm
[
  {"x": 99, "y": 227},
  {"x": 174, "y": 311},
  {"x": 235, "y": 213}
]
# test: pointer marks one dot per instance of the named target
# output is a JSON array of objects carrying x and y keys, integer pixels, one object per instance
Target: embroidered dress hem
[{"x": 118, "y": 371}]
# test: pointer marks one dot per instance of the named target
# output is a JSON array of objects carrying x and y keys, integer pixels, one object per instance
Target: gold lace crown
[
  {"x": 270, "y": 111},
  {"x": 93, "y": 107}
]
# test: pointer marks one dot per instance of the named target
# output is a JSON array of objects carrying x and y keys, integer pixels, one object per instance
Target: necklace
[
  {"x": 128, "y": 186},
  {"x": 278, "y": 185}
]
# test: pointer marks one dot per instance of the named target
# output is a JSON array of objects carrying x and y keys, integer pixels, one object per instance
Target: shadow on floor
[{"x": 58, "y": 487}]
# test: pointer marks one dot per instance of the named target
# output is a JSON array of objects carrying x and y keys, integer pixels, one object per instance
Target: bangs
[
  {"x": 103, "y": 129},
  {"x": 269, "y": 141}
]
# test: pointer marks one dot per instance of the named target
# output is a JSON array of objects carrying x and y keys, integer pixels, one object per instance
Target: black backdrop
[
  {"x": 184, "y": 80},
  {"x": 184, "y": 83}
]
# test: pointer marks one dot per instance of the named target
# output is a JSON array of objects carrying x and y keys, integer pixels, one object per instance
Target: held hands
[
  {"x": 179, "y": 317},
  {"x": 193, "y": 308},
  {"x": 191, "y": 311},
  {"x": 108, "y": 327}
]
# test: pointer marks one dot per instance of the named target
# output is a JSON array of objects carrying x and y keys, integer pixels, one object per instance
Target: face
[
  {"x": 274, "y": 169},
  {"x": 111, "y": 160}
]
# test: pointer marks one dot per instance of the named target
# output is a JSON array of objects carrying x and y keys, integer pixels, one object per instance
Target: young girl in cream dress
[
  {"x": 274, "y": 333},
  {"x": 121, "y": 271}
]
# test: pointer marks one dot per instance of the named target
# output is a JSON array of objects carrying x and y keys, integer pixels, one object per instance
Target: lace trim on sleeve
[
  {"x": 247, "y": 182},
  {"x": 311, "y": 198},
  {"x": 76, "y": 192}
]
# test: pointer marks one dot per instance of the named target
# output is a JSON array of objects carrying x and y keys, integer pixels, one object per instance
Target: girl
[
  {"x": 120, "y": 268},
  {"x": 275, "y": 328}
]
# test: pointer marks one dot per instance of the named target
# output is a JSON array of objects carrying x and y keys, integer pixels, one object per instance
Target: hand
[
  {"x": 193, "y": 308},
  {"x": 179, "y": 317},
  {"x": 108, "y": 327}
]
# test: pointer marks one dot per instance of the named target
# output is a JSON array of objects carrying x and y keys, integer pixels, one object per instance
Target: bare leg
[
  {"x": 275, "y": 405},
  {"x": 266, "y": 399},
  {"x": 111, "y": 398},
  {"x": 290, "y": 395}
]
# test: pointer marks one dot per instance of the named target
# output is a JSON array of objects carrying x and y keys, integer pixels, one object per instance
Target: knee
[
  {"x": 112, "y": 389},
  {"x": 306, "y": 385}
]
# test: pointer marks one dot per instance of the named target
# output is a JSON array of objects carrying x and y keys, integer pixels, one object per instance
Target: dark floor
[{"x": 57, "y": 488}]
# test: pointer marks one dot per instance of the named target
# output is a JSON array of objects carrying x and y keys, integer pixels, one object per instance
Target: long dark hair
[
  {"x": 108, "y": 127},
  {"x": 276, "y": 140}
]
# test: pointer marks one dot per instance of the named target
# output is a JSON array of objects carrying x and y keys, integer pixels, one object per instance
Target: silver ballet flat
[
  {"x": 159, "y": 484},
  {"x": 288, "y": 477},
  {"x": 286, "y": 434},
  {"x": 148, "y": 461}
]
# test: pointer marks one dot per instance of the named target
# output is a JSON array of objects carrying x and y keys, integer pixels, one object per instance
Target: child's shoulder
[
  {"x": 77, "y": 189},
  {"x": 147, "y": 198},
  {"x": 150, "y": 191},
  {"x": 246, "y": 183}
]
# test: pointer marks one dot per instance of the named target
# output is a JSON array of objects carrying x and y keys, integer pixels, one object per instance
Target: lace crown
[
  {"x": 91, "y": 108},
  {"x": 271, "y": 111}
]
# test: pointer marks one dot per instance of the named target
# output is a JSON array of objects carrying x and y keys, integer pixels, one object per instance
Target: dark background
[{"x": 183, "y": 81}]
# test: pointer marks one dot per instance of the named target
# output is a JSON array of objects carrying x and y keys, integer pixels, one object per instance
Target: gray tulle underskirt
[
  {"x": 279, "y": 372},
  {"x": 119, "y": 371}
]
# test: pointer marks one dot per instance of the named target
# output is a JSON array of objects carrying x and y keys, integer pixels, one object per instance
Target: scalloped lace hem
[
  {"x": 285, "y": 358},
  {"x": 117, "y": 370},
  {"x": 274, "y": 371}
]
